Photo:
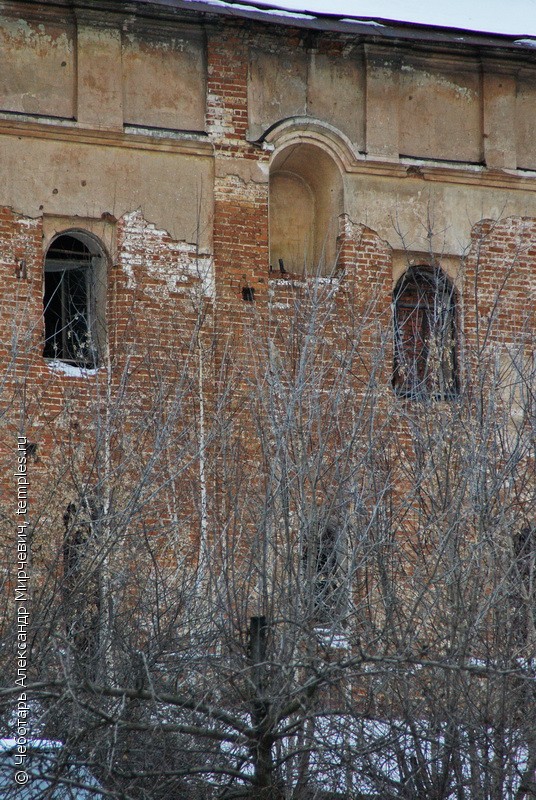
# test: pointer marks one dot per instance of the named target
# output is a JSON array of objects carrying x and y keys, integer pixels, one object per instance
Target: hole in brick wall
[
  {"x": 21, "y": 271},
  {"x": 31, "y": 450},
  {"x": 248, "y": 294}
]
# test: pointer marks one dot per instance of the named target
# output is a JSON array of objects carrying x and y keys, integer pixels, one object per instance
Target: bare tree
[{"x": 270, "y": 575}]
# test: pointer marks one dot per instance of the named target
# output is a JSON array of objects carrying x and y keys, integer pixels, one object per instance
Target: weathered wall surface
[
  {"x": 164, "y": 78},
  {"x": 37, "y": 65},
  {"x": 86, "y": 80},
  {"x": 80, "y": 175},
  {"x": 133, "y": 109},
  {"x": 137, "y": 405},
  {"x": 440, "y": 109},
  {"x": 175, "y": 141},
  {"x": 421, "y": 209}
]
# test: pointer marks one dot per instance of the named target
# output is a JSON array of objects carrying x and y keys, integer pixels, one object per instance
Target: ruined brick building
[{"x": 179, "y": 180}]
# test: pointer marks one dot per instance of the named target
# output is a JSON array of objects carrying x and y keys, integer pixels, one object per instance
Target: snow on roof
[
  {"x": 272, "y": 10},
  {"x": 516, "y": 19}
]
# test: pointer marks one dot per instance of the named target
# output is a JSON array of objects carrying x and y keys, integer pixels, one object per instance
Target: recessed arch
[
  {"x": 308, "y": 130},
  {"x": 306, "y": 200}
]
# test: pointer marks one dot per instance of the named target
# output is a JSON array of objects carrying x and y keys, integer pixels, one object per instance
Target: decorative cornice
[
  {"x": 306, "y": 130},
  {"x": 67, "y": 131},
  {"x": 430, "y": 171},
  {"x": 292, "y": 131}
]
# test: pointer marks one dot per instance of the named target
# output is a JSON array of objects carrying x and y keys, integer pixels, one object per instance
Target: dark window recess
[
  {"x": 524, "y": 586},
  {"x": 248, "y": 294},
  {"x": 69, "y": 302},
  {"x": 321, "y": 556},
  {"x": 425, "y": 336},
  {"x": 31, "y": 450}
]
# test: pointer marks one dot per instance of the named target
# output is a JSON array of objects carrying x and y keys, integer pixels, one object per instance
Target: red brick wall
[
  {"x": 499, "y": 282},
  {"x": 160, "y": 292},
  {"x": 240, "y": 231}
]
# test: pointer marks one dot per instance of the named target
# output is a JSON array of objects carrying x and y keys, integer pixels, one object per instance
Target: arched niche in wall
[{"x": 306, "y": 199}]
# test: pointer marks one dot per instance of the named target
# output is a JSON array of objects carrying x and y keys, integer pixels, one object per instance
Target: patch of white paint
[{"x": 172, "y": 263}]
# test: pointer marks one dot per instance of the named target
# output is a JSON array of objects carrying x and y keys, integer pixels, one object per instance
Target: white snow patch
[
  {"x": 368, "y": 22},
  {"x": 430, "y": 162},
  {"x": 526, "y": 42},
  {"x": 493, "y": 16},
  {"x": 70, "y": 369},
  {"x": 280, "y": 12},
  {"x": 285, "y": 282}
]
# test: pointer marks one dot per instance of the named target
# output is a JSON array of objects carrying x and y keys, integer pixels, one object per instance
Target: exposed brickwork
[
  {"x": 160, "y": 291},
  {"x": 227, "y": 117},
  {"x": 21, "y": 265},
  {"x": 500, "y": 275},
  {"x": 174, "y": 316},
  {"x": 241, "y": 202}
]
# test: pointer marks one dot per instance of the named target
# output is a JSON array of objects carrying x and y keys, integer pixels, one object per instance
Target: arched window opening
[
  {"x": 306, "y": 199},
  {"x": 425, "y": 336},
  {"x": 70, "y": 305}
]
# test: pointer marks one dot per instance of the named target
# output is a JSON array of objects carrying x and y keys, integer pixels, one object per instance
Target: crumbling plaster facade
[
  {"x": 181, "y": 137},
  {"x": 105, "y": 111}
]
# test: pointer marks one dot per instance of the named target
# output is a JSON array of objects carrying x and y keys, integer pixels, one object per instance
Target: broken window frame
[
  {"x": 70, "y": 311},
  {"x": 424, "y": 326}
]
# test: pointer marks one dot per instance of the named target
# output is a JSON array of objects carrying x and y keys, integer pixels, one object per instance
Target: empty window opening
[
  {"x": 322, "y": 565},
  {"x": 306, "y": 199},
  {"x": 425, "y": 336},
  {"x": 524, "y": 586},
  {"x": 72, "y": 265}
]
